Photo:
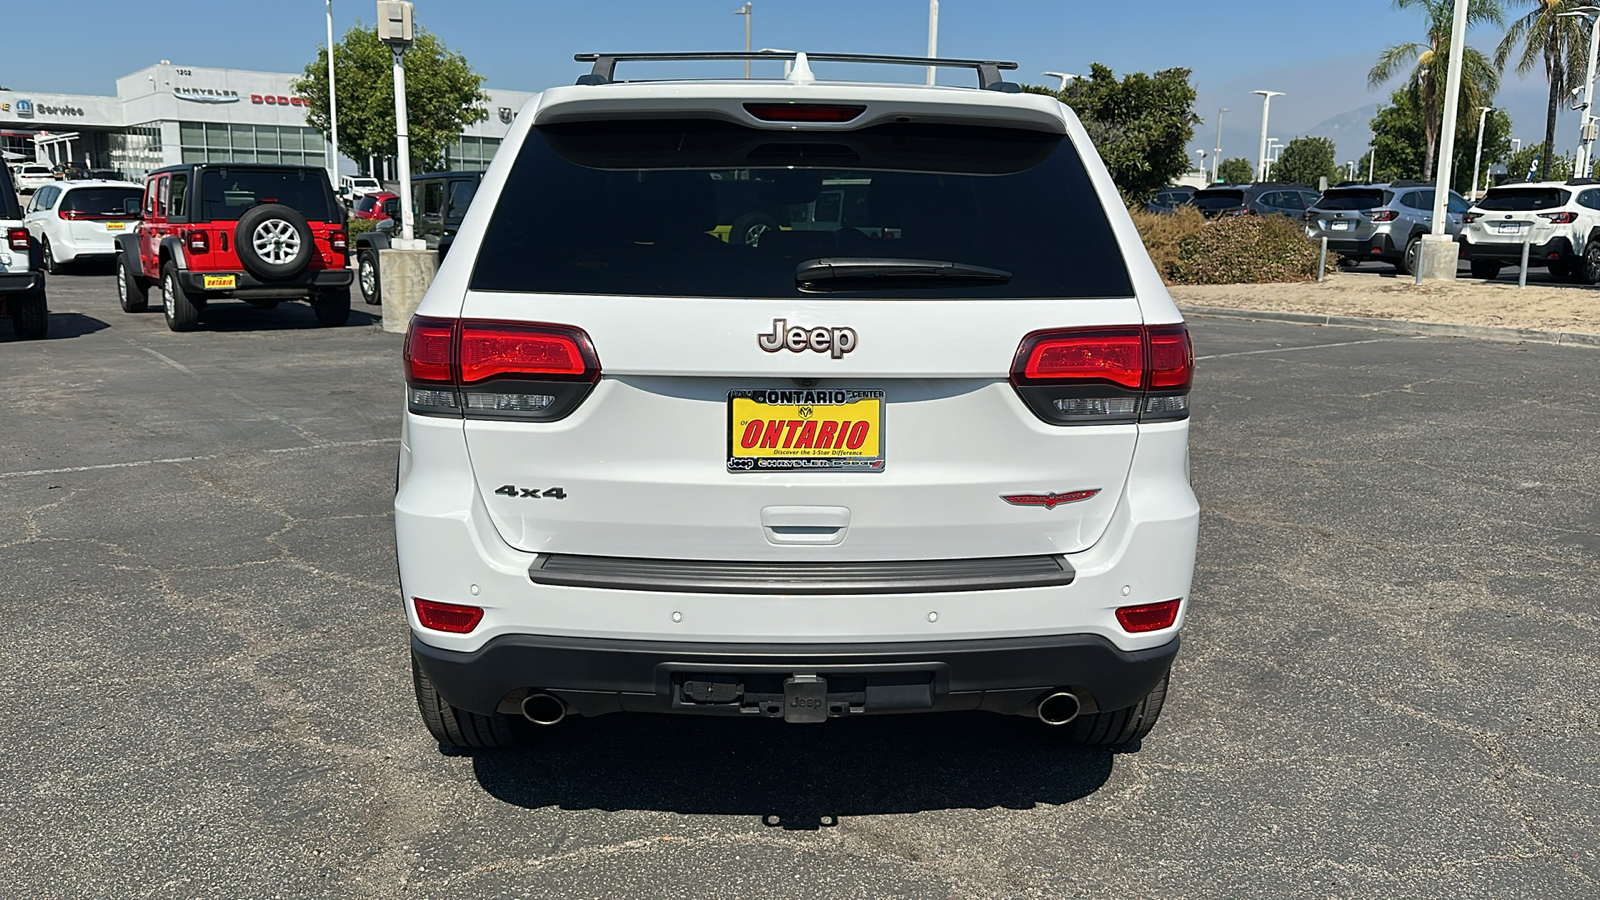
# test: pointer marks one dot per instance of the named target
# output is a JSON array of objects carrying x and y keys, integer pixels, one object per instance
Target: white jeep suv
[{"x": 795, "y": 399}]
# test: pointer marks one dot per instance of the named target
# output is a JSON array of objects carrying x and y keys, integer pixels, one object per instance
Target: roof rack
[{"x": 605, "y": 64}]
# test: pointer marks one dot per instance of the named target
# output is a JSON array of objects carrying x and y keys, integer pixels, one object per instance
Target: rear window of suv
[
  {"x": 227, "y": 193},
  {"x": 1523, "y": 198},
  {"x": 1215, "y": 199},
  {"x": 1353, "y": 198},
  {"x": 711, "y": 209},
  {"x": 106, "y": 202}
]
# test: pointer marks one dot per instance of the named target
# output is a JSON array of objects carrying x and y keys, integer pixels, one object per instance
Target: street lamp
[
  {"x": 1261, "y": 157},
  {"x": 395, "y": 30},
  {"x": 1272, "y": 144},
  {"x": 1438, "y": 252},
  {"x": 1064, "y": 76},
  {"x": 333, "y": 111},
  {"x": 746, "y": 13},
  {"x": 1477, "y": 159},
  {"x": 1216, "y": 157},
  {"x": 1202, "y": 163},
  {"x": 933, "y": 35},
  {"x": 1587, "y": 128}
]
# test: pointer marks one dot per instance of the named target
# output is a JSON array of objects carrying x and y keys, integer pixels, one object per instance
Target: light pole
[
  {"x": 1216, "y": 157},
  {"x": 1202, "y": 169},
  {"x": 746, "y": 13},
  {"x": 394, "y": 29},
  {"x": 1516, "y": 145},
  {"x": 1477, "y": 159},
  {"x": 1586, "y": 127},
  {"x": 1266, "y": 107},
  {"x": 1372, "y": 161},
  {"x": 933, "y": 34},
  {"x": 333, "y": 111},
  {"x": 1438, "y": 252},
  {"x": 1064, "y": 76},
  {"x": 1266, "y": 170}
]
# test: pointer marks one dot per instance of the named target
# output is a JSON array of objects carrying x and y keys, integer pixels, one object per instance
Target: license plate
[
  {"x": 1339, "y": 226},
  {"x": 219, "y": 282},
  {"x": 1512, "y": 228},
  {"x": 116, "y": 226},
  {"x": 787, "y": 430}
]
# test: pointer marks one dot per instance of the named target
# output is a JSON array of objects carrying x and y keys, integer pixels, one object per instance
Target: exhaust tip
[
  {"x": 543, "y": 709},
  {"x": 1059, "y": 708}
]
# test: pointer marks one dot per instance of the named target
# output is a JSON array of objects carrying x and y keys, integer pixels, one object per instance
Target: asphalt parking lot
[{"x": 1387, "y": 689}]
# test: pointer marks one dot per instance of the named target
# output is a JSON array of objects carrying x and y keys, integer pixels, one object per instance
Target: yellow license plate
[
  {"x": 786, "y": 430},
  {"x": 219, "y": 282},
  {"x": 116, "y": 226}
]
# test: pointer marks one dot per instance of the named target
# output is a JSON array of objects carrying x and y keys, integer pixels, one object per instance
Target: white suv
[
  {"x": 924, "y": 451},
  {"x": 32, "y": 176},
  {"x": 75, "y": 221},
  {"x": 1559, "y": 221}
]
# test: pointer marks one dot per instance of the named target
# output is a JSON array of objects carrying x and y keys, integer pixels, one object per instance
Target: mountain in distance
[{"x": 1351, "y": 132}]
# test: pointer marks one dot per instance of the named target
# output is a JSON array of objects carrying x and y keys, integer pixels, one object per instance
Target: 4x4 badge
[{"x": 836, "y": 341}]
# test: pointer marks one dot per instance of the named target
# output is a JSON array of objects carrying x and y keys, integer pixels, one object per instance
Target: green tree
[
  {"x": 1531, "y": 157},
  {"x": 1398, "y": 132},
  {"x": 1237, "y": 170},
  {"x": 443, "y": 96},
  {"x": 1307, "y": 160},
  {"x": 1140, "y": 124},
  {"x": 1428, "y": 64},
  {"x": 1561, "y": 43}
]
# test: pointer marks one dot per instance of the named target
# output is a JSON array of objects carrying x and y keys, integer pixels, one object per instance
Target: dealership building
[{"x": 168, "y": 114}]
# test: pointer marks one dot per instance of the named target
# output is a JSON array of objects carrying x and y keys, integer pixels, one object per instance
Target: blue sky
[{"x": 1318, "y": 54}]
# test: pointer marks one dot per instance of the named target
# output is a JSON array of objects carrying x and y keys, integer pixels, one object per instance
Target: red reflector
[
  {"x": 17, "y": 238},
  {"x": 1171, "y": 358},
  {"x": 449, "y": 617},
  {"x": 498, "y": 349},
  {"x": 1148, "y": 617},
  {"x": 803, "y": 112},
  {"x": 1112, "y": 355},
  {"x": 427, "y": 350}
]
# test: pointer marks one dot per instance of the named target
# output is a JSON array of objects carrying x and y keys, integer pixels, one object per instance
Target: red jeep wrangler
[{"x": 223, "y": 231}]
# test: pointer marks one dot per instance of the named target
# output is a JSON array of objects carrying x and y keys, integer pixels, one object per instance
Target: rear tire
[
  {"x": 183, "y": 314},
  {"x": 457, "y": 727},
  {"x": 1487, "y": 269},
  {"x": 1407, "y": 263},
  {"x": 51, "y": 266},
  {"x": 332, "y": 307},
  {"x": 367, "y": 276},
  {"x": 132, "y": 292},
  {"x": 1120, "y": 726},
  {"x": 30, "y": 315}
]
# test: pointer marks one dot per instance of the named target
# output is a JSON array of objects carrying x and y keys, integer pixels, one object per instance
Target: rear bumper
[
  {"x": 20, "y": 282},
  {"x": 1378, "y": 246},
  {"x": 1556, "y": 249},
  {"x": 595, "y": 676},
  {"x": 249, "y": 286}
]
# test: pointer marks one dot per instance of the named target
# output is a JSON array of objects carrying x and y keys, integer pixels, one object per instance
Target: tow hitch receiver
[{"x": 805, "y": 699}]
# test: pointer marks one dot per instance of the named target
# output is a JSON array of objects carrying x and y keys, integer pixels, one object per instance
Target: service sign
[{"x": 788, "y": 430}]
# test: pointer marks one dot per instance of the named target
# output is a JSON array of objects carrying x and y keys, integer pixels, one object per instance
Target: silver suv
[{"x": 1380, "y": 221}]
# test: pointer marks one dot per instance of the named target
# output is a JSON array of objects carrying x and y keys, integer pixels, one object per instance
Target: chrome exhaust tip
[
  {"x": 1059, "y": 708},
  {"x": 543, "y": 709}
]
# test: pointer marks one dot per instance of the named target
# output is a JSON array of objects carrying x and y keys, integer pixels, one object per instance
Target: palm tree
[
  {"x": 1429, "y": 61},
  {"x": 1559, "y": 41}
]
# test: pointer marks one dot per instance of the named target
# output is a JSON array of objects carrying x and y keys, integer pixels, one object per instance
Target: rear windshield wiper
[{"x": 869, "y": 273}]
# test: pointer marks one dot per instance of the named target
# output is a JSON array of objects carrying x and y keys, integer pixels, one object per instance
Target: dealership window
[
  {"x": 222, "y": 142},
  {"x": 470, "y": 154}
]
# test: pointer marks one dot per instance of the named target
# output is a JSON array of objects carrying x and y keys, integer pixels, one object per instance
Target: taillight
[
  {"x": 1309, "y": 215},
  {"x": 338, "y": 242},
  {"x": 72, "y": 214},
  {"x": 803, "y": 112},
  {"x": 1148, "y": 616},
  {"x": 497, "y": 370},
  {"x": 1115, "y": 375},
  {"x": 198, "y": 242},
  {"x": 1469, "y": 218},
  {"x": 1384, "y": 215},
  {"x": 449, "y": 617},
  {"x": 17, "y": 239},
  {"x": 1560, "y": 218}
]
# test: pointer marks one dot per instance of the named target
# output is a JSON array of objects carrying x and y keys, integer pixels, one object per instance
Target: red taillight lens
[
  {"x": 506, "y": 349},
  {"x": 427, "y": 354},
  {"x": 1149, "y": 616},
  {"x": 1171, "y": 358},
  {"x": 71, "y": 214},
  {"x": 1560, "y": 218},
  {"x": 1111, "y": 355},
  {"x": 17, "y": 239},
  {"x": 1106, "y": 375},
  {"x": 1384, "y": 215},
  {"x": 1469, "y": 218},
  {"x": 338, "y": 242},
  {"x": 198, "y": 242},
  {"x": 450, "y": 617},
  {"x": 803, "y": 112}
]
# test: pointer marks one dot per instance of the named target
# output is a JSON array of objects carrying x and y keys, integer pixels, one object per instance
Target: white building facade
[{"x": 168, "y": 114}]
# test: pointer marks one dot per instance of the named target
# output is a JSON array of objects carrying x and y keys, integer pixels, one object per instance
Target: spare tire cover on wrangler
[{"x": 274, "y": 242}]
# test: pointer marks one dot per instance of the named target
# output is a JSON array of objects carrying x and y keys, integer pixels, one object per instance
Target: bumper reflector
[
  {"x": 1148, "y": 616},
  {"x": 450, "y": 617}
]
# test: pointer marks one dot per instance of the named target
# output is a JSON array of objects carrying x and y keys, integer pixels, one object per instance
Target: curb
[{"x": 1480, "y": 332}]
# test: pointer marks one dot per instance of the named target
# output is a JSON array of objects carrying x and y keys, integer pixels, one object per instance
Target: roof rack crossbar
[{"x": 605, "y": 64}]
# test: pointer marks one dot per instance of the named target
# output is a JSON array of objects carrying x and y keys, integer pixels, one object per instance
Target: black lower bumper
[
  {"x": 247, "y": 285},
  {"x": 1379, "y": 246},
  {"x": 596, "y": 676},
  {"x": 20, "y": 282},
  {"x": 1556, "y": 250}
]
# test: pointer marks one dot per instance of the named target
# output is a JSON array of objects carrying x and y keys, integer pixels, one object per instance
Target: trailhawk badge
[{"x": 835, "y": 341}]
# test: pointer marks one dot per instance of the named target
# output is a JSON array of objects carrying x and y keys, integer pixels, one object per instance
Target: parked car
[
  {"x": 912, "y": 462},
  {"x": 1265, "y": 198},
  {"x": 32, "y": 176},
  {"x": 1380, "y": 221},
  {"x": 1170, "y": 198},
  {"x": 1559, "y": 221},
  {"x": 440, "y": 201},
  {"x": 80, "y": 220},
  {"x": 222, "y": 231},
  {"x": 353, "y": 187},
  {"x": 22, "y": 283},
  {"x": 371, "y": 207}
]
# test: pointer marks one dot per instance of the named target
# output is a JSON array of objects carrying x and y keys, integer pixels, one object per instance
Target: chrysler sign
[{"x": 205, "y": 95}]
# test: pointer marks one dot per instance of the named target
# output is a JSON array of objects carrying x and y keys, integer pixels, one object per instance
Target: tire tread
[{"x": 458, "y": 727}]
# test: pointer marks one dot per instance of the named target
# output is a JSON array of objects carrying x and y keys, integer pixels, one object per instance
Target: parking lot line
[
  {"x": 168, "y": 360},
  {"x": 137, "y": 463},
  {"x": 1311, "y": 347}
]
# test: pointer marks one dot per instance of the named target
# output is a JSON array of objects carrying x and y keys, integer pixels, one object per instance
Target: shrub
[
  {"x": 359, "y": 226},
  {"x": 1245, "y": 250},
  {"x": 1163, "y": 232}
]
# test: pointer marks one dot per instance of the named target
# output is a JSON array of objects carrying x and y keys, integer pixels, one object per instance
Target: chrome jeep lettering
[{"x": 833, "y": 341}]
